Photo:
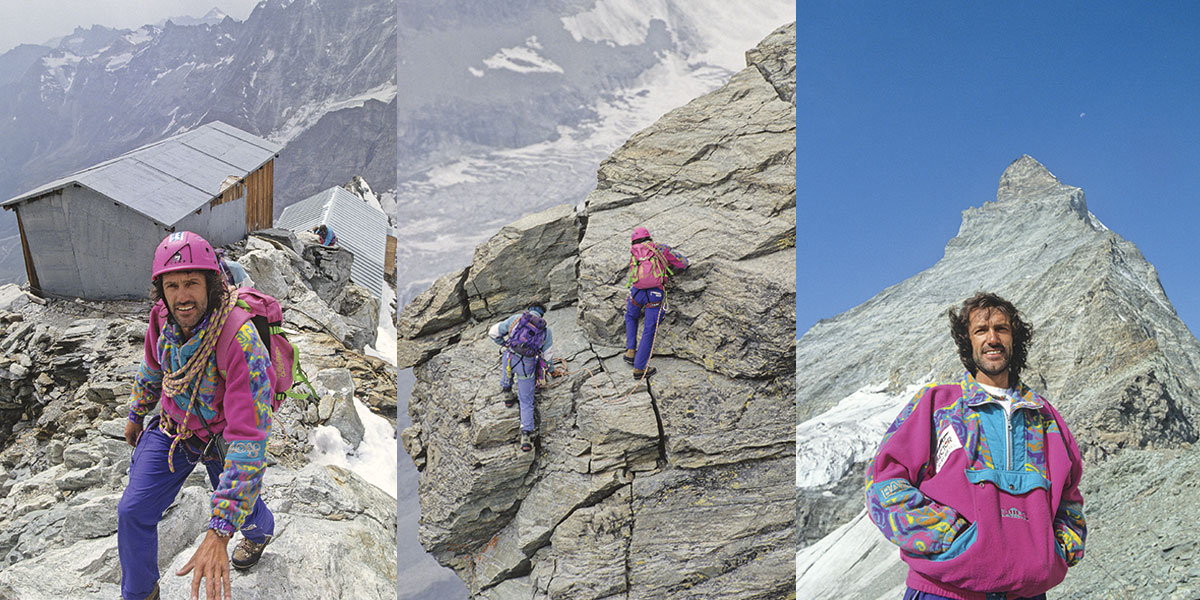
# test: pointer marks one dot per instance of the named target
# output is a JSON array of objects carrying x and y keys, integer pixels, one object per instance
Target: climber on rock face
[
  {"x": 526, "y": 340},
  {"x": 650, "y": 265},
  {"x": 214, "y": 401},
  {"x": 977, "y": 480}
]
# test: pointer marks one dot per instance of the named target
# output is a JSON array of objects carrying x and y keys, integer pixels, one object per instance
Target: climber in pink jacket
[{"x": 977, "y": 480}]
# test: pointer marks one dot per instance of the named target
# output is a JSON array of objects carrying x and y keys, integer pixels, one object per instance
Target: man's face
[
  {"x": 186, "y": 294},
  {"x": 991, "y": 341}
]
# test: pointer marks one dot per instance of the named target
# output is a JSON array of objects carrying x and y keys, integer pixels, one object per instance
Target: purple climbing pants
[
  {"x": 651, "y": 296},
  {"x": 152, "y": 488},
  {"x": 524, "y": 369},
  {"x": 911, "y": 594}
]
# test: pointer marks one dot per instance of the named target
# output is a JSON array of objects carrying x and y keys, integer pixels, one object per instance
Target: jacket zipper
[{"x": 1008, "y": 436}]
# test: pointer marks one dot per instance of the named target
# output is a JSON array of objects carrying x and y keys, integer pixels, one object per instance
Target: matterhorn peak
[{"x": 1028, "y": 178}]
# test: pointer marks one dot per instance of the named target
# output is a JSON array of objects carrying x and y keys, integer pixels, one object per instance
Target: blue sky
[{"x": 908, "y": 113}]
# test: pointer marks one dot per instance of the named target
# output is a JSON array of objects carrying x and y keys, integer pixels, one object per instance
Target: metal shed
[
  {"x": 92, "y": 233},
  {"x": 360, "y": 228}
]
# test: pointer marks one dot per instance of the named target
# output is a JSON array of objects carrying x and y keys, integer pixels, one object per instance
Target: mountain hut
[{"x": 92, "y": 233}]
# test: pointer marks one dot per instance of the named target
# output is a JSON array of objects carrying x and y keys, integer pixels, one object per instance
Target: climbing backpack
[
  {"x": 527, "y": 334},
  {"x": 267, "y": 316},
  {"x": 648, "y": 268}
]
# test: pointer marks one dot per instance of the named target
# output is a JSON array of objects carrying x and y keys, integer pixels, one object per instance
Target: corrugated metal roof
[
  {"x": 361, "y": 228},
  {"x": 168, "y": 179}
]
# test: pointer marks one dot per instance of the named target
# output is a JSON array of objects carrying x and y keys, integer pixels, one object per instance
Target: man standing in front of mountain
[{"x": 977, "y": 480}]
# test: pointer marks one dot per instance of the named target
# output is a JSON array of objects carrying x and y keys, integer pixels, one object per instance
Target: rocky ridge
[
  {"x": 1109, "y": 352},
  {"x": 675, "y": 488},
  {"x": 65, "y": 379}
]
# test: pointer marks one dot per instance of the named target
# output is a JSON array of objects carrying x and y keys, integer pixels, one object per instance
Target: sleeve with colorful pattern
[
  {"x": 1070, "y": 525},
  {"x": 147, "y": 387},
  {"x": 677, "y": 261},
  {"x": 1070, "y": 529},
  {"x": 908, "y": 518},
  {"x": 247, "y": 410}
]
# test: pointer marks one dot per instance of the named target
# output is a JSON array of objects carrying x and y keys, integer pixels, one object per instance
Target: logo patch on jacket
[
  {"x": 1013, "y": 513},
  {"x": 947, "y": 442}
]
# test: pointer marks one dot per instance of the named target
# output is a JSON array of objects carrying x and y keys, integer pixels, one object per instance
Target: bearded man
[{"x": 977, "y": 480}]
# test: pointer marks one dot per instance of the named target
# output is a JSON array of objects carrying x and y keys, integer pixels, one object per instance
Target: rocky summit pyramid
[
  {"x": 1108, "y": 351},
  {"x": 679, "y": 487}
]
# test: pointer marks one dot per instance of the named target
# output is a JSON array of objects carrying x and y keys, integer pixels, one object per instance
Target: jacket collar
[{"x": 976, "y": 395}]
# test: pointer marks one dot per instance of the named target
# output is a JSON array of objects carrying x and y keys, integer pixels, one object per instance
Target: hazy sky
[
  {"x": 909, "y": 112},
  {"x": 35, "y": 21}
]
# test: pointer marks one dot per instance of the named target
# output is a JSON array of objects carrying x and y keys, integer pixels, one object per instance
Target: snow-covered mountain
[
  {"x": 508, "y": 109},
  {"x": 317, "y": 75}
]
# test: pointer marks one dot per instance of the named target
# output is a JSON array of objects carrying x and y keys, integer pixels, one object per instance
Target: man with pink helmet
[
  {"x": 649, "y": 266},
  {"x": 216, "y": 409}
]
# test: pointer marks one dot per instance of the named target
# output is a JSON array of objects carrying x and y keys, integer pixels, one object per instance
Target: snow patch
[
  {"x": 475, "y": 72},
  {"x": 724, "y": 30},
  {"x": 118, "y": 61},
  {"x": 306, "y": 116},
  {"x": 140, "y": 36},
  {"x": 58, "y": 62},
  {"x": 522, "y": 59},
  {"x": 270, "y": 56},
  {"x": 829, "y": 444},
  {"x": 384, "y": 347},
  {"x": 619, "y": 22},
  {"x": 375, "y": 458},
  {"x": 853, "y": 561}
]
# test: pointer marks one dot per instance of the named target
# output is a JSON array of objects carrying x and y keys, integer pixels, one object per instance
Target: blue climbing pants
[
  {"x": 152, "y": 488},
  {"x": 911, "y": 594},
  {"x": 524, "y": 370},
  {"x": 642, "y": 303}
]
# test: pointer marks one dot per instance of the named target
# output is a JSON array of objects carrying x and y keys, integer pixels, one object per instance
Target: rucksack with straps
[
  {"x": 648, "y": 268},
  {"x": 267, "y": 316},
  {"x": 527, "y": 335}
]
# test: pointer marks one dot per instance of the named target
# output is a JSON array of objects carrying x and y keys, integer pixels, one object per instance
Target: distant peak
[{"x": 1025, "y": 177}]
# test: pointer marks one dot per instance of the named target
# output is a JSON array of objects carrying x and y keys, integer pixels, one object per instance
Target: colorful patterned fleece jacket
[
  {"x": 978, "y": 502},
  {"x": 235, "y": 399}
]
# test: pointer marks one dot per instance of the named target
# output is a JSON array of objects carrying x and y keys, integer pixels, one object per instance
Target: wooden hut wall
[
  {"x": 260, "y": 197},
  {"x": 389, "y": 267}
]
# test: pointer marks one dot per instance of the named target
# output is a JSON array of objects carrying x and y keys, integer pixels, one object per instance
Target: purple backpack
[{"x": 527, "y": 334}]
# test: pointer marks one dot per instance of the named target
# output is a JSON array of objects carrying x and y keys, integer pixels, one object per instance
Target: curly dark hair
[
  {"x": 214, "y": 282},
  {"x": 1022, "y": 332}
]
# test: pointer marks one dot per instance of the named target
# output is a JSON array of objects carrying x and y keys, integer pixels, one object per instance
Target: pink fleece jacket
[{"x": 979, "y": 503}]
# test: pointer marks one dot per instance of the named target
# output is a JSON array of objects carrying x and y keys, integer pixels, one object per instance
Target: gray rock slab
[
  {"x": 726, "y": 532},
  {"x": 511, "y": 269}
]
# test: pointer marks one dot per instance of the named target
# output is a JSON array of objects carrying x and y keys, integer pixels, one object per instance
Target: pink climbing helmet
[
  {"x": 183, "y": 251},
  {"x": 639, "y": 233}
]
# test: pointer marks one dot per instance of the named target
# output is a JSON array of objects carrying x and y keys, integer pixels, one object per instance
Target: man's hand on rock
[
  {"x": 133, "y": 431},
  {"x": 211, "y": 562}
]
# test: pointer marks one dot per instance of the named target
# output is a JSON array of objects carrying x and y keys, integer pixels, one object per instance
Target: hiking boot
[
  {"x": 247, "y": 553},
  {"x": 510, "y": 397},
  {"x": 526, "y": 442},
  {"x": 629, "y": 355},
  {"x": 639, "y": 375},
  {"x": 154, "y": 594}
]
